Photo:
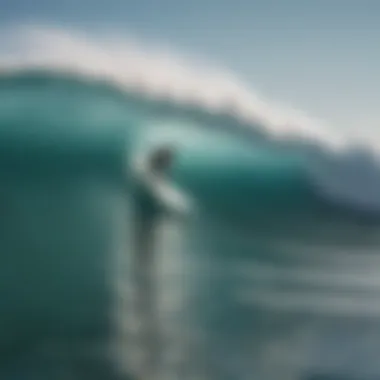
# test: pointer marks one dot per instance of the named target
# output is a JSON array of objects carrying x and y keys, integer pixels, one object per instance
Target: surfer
[{"x": 154, "y": 196}]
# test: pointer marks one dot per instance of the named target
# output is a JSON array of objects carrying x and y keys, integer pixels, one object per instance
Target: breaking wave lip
[
  {"x": 156, "y": 73},
  {"x": 207, "y": 94}
]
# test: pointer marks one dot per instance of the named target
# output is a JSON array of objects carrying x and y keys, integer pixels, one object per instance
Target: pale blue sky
[{"x": 322, "y": 56}]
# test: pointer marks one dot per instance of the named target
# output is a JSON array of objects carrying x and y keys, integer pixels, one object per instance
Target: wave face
[
  {"x": 77, "y": 88},
  {"x": 285, "y": 203}
]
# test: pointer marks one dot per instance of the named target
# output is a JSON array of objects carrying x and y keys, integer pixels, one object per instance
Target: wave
[
  {"x": 105, "y": 95},
  {"x": 94, "y": 102}
]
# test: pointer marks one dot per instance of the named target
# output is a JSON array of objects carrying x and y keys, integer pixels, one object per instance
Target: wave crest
[{"x": 156, "y": 73}]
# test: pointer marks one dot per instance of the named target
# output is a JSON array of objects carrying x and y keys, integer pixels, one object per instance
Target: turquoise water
[{"x": 276, "y": 265}]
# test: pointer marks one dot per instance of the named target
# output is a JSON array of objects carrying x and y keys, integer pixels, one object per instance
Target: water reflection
[{"x": 231, "y": 310}]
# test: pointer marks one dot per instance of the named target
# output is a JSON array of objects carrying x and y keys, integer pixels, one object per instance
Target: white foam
[{"x": 155, "y": 72}]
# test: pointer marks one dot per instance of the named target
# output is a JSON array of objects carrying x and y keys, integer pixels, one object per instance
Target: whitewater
[{"x": 278, "y": 265}]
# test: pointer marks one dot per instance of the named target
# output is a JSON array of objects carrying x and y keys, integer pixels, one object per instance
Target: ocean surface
[{"x": 275, "y": 275}]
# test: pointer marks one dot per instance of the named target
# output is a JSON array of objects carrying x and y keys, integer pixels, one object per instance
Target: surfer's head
[{"x": 162, "y": 159}]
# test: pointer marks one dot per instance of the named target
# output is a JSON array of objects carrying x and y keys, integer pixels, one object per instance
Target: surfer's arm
[{"x": 171, "y": 199}]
